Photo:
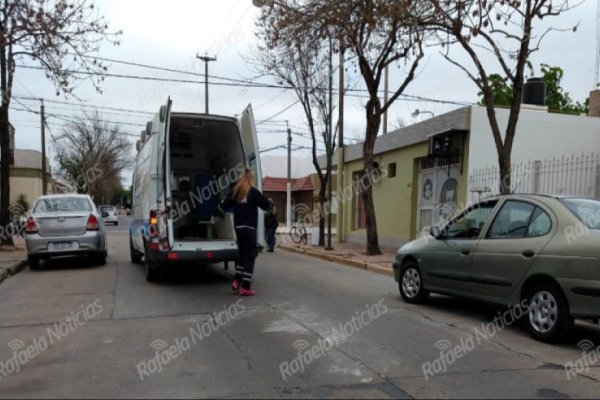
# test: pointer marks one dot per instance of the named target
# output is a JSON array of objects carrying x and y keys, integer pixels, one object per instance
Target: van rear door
[
  {"x": 250, "y": 142},
  {"x": 165, "y": 227}
]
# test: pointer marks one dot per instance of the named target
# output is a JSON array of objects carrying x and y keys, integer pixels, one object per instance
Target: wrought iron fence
[{"x": 577, "y": 175}]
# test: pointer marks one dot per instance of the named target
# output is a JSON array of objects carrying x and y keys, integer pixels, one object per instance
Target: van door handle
[
  {"x": 528, "y": 253},
  {"x": 465, "y": 252}
]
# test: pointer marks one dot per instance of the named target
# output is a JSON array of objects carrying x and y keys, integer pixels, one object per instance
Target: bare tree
[
  {"x": 298, "y": 62},
  {"x": 502, "y": 31},
  {"x": 92, "y": 154},
  {"x": 379, "y": 34},
  {"x": 61, "y": 36}
]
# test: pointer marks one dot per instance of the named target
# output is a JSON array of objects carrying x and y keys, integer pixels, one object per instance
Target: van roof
[{"x": 204, "y": 116}]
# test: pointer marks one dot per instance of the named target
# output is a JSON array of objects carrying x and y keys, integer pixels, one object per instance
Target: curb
[
  {"x": 11, "y": 269},
  {"x": 376, "y": 268}
]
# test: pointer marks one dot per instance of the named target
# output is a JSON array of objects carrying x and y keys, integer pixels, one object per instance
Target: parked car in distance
[
  {"x": 535, "y": 250},
  {"x": 109, "y": 215},
  {"x": 62, "y": 225}
]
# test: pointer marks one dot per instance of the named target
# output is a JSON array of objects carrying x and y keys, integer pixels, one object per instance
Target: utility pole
[
  {"x": 330, "y": 144},
  {"x": 340, "y": 160},
  {"x": 44, "y": 178},
  {"x": 206, "y": 60},
  {"x": 288, "y": 213}
]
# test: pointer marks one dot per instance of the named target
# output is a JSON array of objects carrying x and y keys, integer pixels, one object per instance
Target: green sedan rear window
[{"x": 586, "y": 210}]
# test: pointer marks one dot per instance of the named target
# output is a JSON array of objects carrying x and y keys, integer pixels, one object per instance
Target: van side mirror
[{"x": 436, "y": 232}]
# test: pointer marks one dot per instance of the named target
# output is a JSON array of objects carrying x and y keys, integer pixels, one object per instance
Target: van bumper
[{"x": 159, "y": 257}]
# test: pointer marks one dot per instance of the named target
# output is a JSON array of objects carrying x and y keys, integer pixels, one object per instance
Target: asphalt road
[{"x": 76, "y": 330}]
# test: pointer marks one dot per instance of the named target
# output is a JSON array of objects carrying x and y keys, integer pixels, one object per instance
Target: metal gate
[{"x": 438, "y": 193}]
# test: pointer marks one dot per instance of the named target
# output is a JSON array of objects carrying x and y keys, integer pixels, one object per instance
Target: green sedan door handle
[
  {"x": 465, "y": 252},
  {"x": 528, "y": 254}
]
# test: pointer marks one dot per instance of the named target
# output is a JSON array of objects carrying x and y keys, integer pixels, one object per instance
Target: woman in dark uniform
[{"x": 245, "y": 200}]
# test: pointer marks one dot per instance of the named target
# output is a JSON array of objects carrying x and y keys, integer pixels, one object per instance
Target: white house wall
[{"x": 540, "y": 135}]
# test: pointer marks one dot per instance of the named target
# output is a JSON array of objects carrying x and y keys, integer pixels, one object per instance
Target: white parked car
[{"x": 109, "y": 215}]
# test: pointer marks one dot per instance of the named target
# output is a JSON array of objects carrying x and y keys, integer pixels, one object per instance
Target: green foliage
[
  {"x": 501, "y": 90},
  {"x": 557, "y": 99}
]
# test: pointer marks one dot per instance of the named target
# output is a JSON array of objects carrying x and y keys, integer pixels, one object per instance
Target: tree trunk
[
  {"x": 504, "y": 160},
  {"x": 373, "y": 122},
  {"x": 4, "y": 175},
  {"x": 5, "y": 83},
  {"x": 322, "y": 200}
]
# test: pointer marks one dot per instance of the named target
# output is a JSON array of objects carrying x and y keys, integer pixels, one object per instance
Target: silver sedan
[{"x": 62, "y": 225}]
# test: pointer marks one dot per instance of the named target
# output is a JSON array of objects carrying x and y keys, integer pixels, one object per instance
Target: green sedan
[{"x": 537, "y": 252}]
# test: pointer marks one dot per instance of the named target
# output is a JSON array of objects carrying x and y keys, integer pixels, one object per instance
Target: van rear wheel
[
  {"x": 152, "y": 271},
  {"x": 136, "y": 256}
]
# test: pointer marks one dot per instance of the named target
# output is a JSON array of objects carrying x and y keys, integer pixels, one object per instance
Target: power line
[
  {"x": 65, "y": 117},
  {"x": 279, "y": 113},
  {"x": 156, "y": 79},
  {"x": 83, "y": 105},
  {"x": 243, "y": 84},
  {"x": 103, "y": 112}
]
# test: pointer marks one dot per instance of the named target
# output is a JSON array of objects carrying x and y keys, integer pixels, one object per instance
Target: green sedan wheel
[{"x": 411, "y": 284}]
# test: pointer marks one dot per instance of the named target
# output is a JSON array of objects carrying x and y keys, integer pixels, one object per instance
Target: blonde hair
[{"x": 243, "y": 185}]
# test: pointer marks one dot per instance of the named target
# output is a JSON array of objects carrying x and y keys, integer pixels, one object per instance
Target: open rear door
[
  {"x": 250, "y": 142},
  {"x": 165, "y": 222}
]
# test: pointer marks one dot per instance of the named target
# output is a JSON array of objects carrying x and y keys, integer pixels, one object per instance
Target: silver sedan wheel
[
  {"x": 543, "y": 312},
  {"x": 411, "y": 282}
]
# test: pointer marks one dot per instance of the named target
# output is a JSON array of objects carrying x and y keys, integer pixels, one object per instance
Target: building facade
[
  {"x": 26, "y": 176},
  {"x": 427, "y": 171}
]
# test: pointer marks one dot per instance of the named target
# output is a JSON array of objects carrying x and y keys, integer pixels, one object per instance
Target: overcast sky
[{"x": 170, "y": 34}]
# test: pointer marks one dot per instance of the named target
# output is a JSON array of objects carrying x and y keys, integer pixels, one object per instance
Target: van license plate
[{"x": 63, "y": 246}]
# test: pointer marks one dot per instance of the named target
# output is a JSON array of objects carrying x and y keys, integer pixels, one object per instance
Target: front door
[
  {"x": 514, "y": 240},
  {"x": 250, "y": 143},
  {"x": 448, "y": 261}
]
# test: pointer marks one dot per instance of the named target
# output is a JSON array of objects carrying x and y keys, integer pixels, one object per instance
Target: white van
[{"x": 184, "y": 167}]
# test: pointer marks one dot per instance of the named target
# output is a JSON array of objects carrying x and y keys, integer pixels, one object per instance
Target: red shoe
[
  {"x": 235, "y": 286},
  {"x": 247, "y": 292}
]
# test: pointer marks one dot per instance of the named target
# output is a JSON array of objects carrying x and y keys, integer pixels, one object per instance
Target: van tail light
[
  {"x": 31, "y": 226},
  {"x": 92, "y": 223},
  {"x": 153, "y": 224}
]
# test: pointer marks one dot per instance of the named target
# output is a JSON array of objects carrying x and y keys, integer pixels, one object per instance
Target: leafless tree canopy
[
  {"x": 378, "y": 34},
  {"x": 301, "y": 63},
  {"x": 92, "y": 155},
  {"x": 62, "y": 37},
  {"x": 502, "y": 31}
]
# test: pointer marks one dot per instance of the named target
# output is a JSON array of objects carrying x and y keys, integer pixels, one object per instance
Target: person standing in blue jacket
[{"x": 245, "y": 200}]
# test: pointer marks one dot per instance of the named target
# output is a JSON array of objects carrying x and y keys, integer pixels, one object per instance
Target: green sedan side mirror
[{"x": 436, "y": 232}]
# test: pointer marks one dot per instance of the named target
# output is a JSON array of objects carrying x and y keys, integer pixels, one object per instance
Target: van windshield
[{"x": 586, "y": 210}]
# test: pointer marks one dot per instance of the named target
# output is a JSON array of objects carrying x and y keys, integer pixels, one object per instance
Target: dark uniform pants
[{"x": 246, "y": 241}]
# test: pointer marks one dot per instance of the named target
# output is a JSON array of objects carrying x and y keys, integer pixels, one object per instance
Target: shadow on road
[
  {"x": 193, "y": 275},
  {"x": 68, "y": 263},
  {"x": 484, "y": 313}
]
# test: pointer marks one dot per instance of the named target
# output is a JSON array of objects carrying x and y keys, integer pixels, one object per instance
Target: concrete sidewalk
[
  {"x": 351, "y": 254},
  {"x": 12, "y": 259}
]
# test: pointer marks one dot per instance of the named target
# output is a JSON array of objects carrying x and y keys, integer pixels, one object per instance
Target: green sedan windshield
[{"x": 586, "y": 210}]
